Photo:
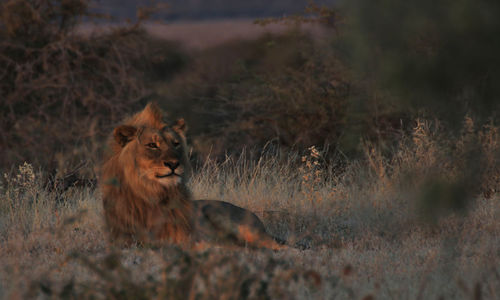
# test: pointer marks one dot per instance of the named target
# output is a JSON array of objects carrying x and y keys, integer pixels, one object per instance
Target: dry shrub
[
  {"x": 282, "y": 88},
  {"x": 61, "y": 92}
]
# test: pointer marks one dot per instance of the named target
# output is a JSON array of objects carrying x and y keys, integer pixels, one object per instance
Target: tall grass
[
  {"x": 417, "y": 180},
  {"x": 387, "y": 226}
]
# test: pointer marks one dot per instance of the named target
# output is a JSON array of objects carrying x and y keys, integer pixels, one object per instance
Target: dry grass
[{"x": 363, "y": 229}]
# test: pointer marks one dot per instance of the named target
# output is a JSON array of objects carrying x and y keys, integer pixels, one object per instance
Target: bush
[
  {"x": 284, "y": 89},
  {"x": 61, "y": 91}
]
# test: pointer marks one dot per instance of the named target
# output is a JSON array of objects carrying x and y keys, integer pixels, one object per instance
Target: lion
[{"x": 145, "y": 197}]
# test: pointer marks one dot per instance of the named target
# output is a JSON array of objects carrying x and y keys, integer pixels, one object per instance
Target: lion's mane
[{"x": 137, "y": 210}]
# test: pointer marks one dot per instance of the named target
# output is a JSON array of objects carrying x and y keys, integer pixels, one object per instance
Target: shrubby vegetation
[
  {"x": 60, "y": 92},
  {"x": 280, "y": 89},
  {"x": 63, "y": 91}
]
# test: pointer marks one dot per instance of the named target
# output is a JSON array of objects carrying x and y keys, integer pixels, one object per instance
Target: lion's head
[
  {"x": 143, "y": 181},
  {"x": 157, "y": 154}
]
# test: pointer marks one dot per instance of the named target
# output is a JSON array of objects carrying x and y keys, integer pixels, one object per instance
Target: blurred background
[
  {"x": 180, "y": 10},
  {"x": 253, "y": 75}
]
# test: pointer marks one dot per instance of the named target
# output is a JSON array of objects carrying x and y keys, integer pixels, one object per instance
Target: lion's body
[{"x": 146, "y": 200}]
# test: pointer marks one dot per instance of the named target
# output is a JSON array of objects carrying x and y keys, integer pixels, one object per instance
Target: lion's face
[{"x": 157, "y": 154}]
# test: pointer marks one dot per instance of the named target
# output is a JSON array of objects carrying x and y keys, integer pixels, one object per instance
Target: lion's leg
[{"x": 257, "y": 239}]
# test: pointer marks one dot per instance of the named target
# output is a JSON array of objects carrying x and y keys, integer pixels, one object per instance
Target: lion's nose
[{"x": 172, "y": 164}]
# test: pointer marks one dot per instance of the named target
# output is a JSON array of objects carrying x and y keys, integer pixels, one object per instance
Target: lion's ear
[
  {"x": 180, "y": 126},
  {"x": 124, "y": 134}
]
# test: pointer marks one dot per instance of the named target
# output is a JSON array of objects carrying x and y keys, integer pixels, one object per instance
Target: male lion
[{"x": 145, "y": 197}]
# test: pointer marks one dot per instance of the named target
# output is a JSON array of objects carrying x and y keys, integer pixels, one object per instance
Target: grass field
[{"x": 366, "y": 233}]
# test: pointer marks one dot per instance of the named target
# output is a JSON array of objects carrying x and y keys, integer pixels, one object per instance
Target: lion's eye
[{"x": 152, "y": 145}]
